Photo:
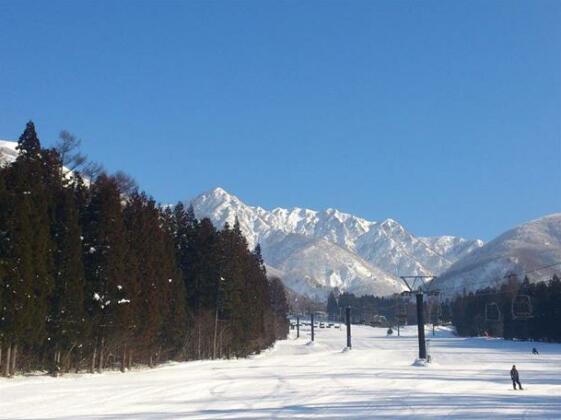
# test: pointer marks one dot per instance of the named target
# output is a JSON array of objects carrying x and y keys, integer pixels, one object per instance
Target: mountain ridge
[
  {"x": 530, "y": 249},
  {"x": 367, "y": 256}
]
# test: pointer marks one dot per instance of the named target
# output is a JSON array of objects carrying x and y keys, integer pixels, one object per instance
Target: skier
[
  {"x": 535, "y": 351},
  {"x": 515, "y": 378}
]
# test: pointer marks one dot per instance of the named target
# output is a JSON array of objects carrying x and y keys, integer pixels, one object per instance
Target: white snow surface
[
  {"x": 8, "y": 152},
  {"x": 378, "y": 378},
  {"x": 318, "y": 250}
]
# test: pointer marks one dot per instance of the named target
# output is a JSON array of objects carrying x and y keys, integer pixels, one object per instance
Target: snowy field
[{"x": 376, "y": 379}]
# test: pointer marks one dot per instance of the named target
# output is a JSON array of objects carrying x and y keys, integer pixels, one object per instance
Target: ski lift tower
[{"x": 419, "y": 285}]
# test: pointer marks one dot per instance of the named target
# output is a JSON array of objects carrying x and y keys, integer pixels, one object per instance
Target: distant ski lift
[
  {"x": 492, "y": 312},
  {"x": 522, "y": 307},
  {"x": 439, "y": 310}
]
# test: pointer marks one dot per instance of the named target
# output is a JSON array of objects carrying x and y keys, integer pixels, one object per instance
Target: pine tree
[
  {"x": 175, "y": 324},
  {"x": 29, "y": 146},
  {"x": 99, "y": 273},
  {"x": 30, "y": 247},
  {"x": 67, "y": 303},
  {"x": 279, "y": 307},
  {"x": 332, "y": 306},
  {"x": 105, "y": 266}
]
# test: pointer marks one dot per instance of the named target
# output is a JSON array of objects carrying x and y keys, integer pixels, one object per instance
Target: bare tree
[
  {"x": 126, "y": 183},
  {"x": 68, "y": 148},
  {"x": 92, "y": 170}
]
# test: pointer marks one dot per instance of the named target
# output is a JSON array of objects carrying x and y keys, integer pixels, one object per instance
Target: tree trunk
[
  {"x": 100, "y": 367},
  {"x": 199, "y": 342},
  {"x": 78, "y": 359},
  {"x": 14, "y": 358},
  {"x": 124, "y": 359},
  {"x": 1, "y": 357},
  {"x": 129, "y": 360},
  {"x": 215, "y": 333},
  {"x": 94, "y": 356},
  {"x": 67, "y": 359},
  {"x": 150, "y": 364},
  {"x": 220, "y": 343},
  {"x": 55, "y": 369},
  {"x": 8, "y": 360}
]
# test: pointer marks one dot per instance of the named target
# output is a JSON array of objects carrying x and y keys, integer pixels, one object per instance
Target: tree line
[
  {"x": 368, "y": 309},
  {"x": 95, "y": 274},
  {"x": 516, "y": 310}
]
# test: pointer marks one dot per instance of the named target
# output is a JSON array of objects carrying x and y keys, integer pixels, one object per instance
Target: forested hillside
[
  {"x": 515, "y": 310},
  {"x": 95, "y": 274}
]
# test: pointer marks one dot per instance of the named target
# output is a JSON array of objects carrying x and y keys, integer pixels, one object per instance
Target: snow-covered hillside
[
  {"x": 521, "y": 251},
  {"x": 319, "y": 250},
  {"x": 468, "y": 379},
  {"x": 313, "y": 267},
  {"x": 8, "y": 152}
]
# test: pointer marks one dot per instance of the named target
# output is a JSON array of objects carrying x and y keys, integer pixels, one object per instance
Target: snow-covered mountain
[
  {"x": 8, "y": 152},
  {"x": 530, "y": 249},
  {"x": 318, "y": 250}
]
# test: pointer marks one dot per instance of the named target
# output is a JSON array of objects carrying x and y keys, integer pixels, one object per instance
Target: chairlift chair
[
  {"x": 492, "y": 312},
  {"x": 403, "y": 311},
  {"x": 522, "y": 307}
]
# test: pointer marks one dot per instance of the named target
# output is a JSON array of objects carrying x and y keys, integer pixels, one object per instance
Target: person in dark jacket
[
  {"x": 535, "y": 351},
  {"x": 515, "y": 378}
]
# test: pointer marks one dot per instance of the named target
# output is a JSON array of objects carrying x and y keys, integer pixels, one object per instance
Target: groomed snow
[{"x": 376, "y": 379}]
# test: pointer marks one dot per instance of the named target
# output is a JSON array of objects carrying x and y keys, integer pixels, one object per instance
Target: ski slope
[{"x": 376, "y": 379}]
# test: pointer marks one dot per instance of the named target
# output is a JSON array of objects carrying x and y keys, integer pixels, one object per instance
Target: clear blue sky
[{"x": 443, "y": 115}]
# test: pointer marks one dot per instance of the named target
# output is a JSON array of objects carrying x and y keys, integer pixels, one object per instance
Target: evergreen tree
[
  {"x": 29, "y": 254},
  {"x": 105, "y": 266},
  {"x": 67, "y": 323},
  {"x": 279, "y": 308},
  {"x": 332, "y": 307},
  {"x": 96, "y": 273}
]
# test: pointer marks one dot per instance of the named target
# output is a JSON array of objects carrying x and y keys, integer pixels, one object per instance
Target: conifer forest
[{"x": 94, "y": 274}]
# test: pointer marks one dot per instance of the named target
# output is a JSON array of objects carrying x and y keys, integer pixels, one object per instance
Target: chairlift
[
  {"x": 492, "y": 312},
  {"x": 402, "y": 304},
  {"x": 522, "y": 307},
  {"x": 438, "y": 312},
  {"x": 402, "y": 311}
]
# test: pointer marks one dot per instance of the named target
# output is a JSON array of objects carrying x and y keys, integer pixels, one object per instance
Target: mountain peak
[
  {"x": 218, "y": 192},
  {"x": 389, "y": 222},
  {"x": 217, "y": 196},
  {"x": 330, "y": 247},
  {"x": 531, "y": 249}
]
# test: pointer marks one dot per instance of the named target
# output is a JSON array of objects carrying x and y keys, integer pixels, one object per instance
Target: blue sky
[{"x": 443, "y": 115}]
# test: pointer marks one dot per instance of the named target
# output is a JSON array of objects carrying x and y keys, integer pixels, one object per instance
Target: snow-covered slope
[
  {"x": 521, "y": 251},
  {"x": 313, "y": 267},
  {"x": 8, "y": 152},
  {"x": 319, "y": 250},
  {"x": 297, "y": 379}
]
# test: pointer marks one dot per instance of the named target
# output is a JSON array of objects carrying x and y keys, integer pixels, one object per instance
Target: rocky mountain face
[{"x": 315, "y": 251}]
